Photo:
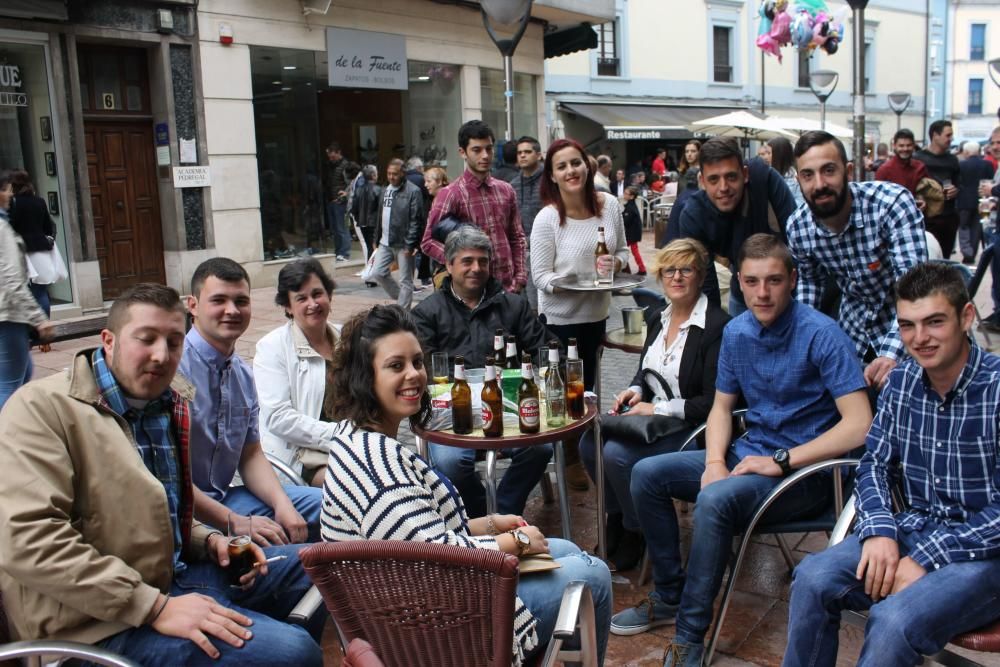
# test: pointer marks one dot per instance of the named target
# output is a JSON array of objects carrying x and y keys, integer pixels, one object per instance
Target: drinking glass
[
  {"x": 439, "y": 367},
  {"x": 542, "y": 369},
  {"x": 586, "y": 272},
  {"x": 241, "y": 557},
  {"x": 574, "y": 388}
]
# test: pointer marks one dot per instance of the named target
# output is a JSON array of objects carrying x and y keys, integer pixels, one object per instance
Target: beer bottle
[
  {"x": 555, "y": 391},
  {"x": 492, "y": 399},
  {"x": 572, "y": 351},
  {"x": 606, "y": 275},
  {"x": 461, "y": 401},
  {"x": 498, "y": 349},
  {"x": 527, "y": 399},
  {"x": 511, "y": 353}
]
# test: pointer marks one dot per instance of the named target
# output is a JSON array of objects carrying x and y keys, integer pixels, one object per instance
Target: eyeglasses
[{"x": 686, "y": 271}]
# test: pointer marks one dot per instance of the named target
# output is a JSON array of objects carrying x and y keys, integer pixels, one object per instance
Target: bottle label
[
  {"x": 487, "y": 417},
  {"x": 528, "y": 410},
  {"x": 526, "y": 371},
  {"x": 459, "y": 372},
  {"x": 498, "y": 343},
  {"x": 572, "y": 353},
  {"x": 491, "y": 373}
]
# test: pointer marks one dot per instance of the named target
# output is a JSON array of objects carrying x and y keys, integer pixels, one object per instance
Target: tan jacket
[{"x": 85, "y": 532}]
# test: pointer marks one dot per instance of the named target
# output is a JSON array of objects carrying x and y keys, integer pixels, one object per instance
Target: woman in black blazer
[
  {"x": 682, "y": 345},
  {"x": 29, "y": 216}
]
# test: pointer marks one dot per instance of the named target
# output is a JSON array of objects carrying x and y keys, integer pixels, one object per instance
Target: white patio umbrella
[
  {"x": 739, "y": 124},
  {"x": 800, "y": 125}
]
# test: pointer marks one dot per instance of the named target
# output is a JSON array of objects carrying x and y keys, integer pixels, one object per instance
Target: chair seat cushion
[{"x": 986, "y": 638}]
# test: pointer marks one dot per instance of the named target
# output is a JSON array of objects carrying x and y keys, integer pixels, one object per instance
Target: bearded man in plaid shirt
[
  {"x": 863, "y": 236},
  {"x": 932, "y": 570}
]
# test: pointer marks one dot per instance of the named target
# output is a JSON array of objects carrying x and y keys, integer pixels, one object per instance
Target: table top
[
  {"x": 621, "y": 281},
  {"x": 619, "y": 340},
  {"x": 512, "y": 437}
]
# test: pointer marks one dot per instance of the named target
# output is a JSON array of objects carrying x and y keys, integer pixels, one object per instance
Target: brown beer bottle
[
  {"x": 498, "y": 349},
  {"x": 461, "y": 401},
  {"x": 492, "y": 399},
  {"x": 605, "y": 276},
  {"x": 527, "y": 399},
  {"x": 511, "y": 353}
]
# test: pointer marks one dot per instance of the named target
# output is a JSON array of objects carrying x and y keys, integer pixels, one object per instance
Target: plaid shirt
[
  {"x": 492, "y": 206},
  {"x": 155, "y": 431},
  {"x": 947, "y": 450},
  {"x": 883, "y": 239}
]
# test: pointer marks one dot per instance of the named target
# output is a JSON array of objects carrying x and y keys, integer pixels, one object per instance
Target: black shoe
[
  {"x": 969, "y": 261},
  {"x": 641, "y": 273},
  {"x": 630, "y": 550},
  {"x": 991, "y": 323}
]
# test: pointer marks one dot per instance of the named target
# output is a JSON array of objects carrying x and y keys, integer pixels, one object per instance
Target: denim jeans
[
  {"x": 619, "y": 459},
  {"x": 15, "y": 358},
  {"x": 722, "y": 511},
  {"x": 527, "y": 465},
  {"x": 542, "y": 592},
  {"x": 308, "y": 502},
  {"x": 41, "y": 294},
  {"x": 335, "y": 214},
  {"x": 274, "y": 641},
  {"x": 402, "y": 291},
  {"x": 901, "y": 628}
]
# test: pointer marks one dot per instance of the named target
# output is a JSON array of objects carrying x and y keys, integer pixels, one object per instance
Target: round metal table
[{"x": 626, "y": 342}]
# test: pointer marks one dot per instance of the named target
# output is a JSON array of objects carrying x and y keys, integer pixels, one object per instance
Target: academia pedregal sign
[{"x": 364, "y": 59}]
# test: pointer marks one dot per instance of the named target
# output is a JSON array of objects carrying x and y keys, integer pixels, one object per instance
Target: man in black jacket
[
  {"x": 398, "y": 234},
  {"x": 461, "y": 318}
]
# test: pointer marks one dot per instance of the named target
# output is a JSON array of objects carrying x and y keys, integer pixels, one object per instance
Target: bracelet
[
  {"x": 208, "y": 539},
  {"x": 490, "y": 526},
  {"x": 166, "y": 599}
]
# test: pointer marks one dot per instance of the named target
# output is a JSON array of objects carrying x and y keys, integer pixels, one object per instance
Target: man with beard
[
  {"x": 864, "y": 236},
  {"x": 902, "y": 168}
]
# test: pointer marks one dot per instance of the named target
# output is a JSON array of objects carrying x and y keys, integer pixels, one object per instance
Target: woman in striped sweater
[{"x": 376, "y": 489}]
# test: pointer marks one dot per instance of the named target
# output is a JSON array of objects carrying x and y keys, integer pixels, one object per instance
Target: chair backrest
[{"x": 419, "y": 603}]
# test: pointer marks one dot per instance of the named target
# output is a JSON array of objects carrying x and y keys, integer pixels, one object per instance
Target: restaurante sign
[{"x": 363, "y": 59}]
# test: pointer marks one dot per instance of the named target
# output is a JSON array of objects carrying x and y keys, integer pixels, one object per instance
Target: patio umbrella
[
  {"x": 740, "y": 124},
  {"x": 801, "y": 125}
]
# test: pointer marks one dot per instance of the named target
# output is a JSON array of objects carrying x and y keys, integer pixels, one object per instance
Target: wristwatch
[
  {"x": 522, "y": 541},
  {"x": 781, "y": 457}
]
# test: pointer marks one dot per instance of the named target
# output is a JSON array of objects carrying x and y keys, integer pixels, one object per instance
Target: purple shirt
[{"x": 223, "y": 413}]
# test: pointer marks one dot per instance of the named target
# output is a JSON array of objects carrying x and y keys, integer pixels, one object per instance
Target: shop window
[
  {"x": 804, "y": 69},
  {"x": 722, "y": 58},
  {"x": 525, "y": 107},
  {"x": 434, "y": 115},
  {"x": 977, "y": 42},
  {"x": 113, "y": 80},
  {"x": 608, "y": 59},
  {"x": 975, "y": 97}
]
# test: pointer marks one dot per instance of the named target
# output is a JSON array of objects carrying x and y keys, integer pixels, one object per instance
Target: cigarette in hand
[{"x": 270, "y": 560}]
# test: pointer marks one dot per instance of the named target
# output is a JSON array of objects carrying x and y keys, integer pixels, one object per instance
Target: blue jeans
[
  {"x": 722, "y": 511},
  {"x": 15, "y": 358},
  {"x": 619, "y": 459},
  {"x": 527, "y": 465},
  {"x": 308, "y": 502},
  {"x": 901, "y": 628},
  {"x": 274, "y": 641},
  {"x": 41, "y": 294},
  {"x": 335, "y": 214},
  {"x": 542, "y": 592}
]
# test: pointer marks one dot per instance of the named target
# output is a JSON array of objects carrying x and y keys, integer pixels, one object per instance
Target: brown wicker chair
[{"x": 431, "y": 604}]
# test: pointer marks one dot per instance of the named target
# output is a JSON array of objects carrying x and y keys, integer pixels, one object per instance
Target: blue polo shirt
[
  {"x": 790, "y": 374},
  {"x": 224, "y": 413}
]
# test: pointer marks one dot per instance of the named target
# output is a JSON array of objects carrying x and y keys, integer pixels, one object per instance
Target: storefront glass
[
  {"x": 27, "y": 135},
  {"x": 525, "y": 106},
  {"x": 435, "y": 114}
]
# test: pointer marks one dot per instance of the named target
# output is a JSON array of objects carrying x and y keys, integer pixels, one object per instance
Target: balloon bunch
[{"x": 806, "y": 24}]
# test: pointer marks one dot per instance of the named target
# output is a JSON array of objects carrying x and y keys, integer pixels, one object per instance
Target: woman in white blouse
[
  {"x": 682, "y": 345},
  {"x": 292, "y": 371}
]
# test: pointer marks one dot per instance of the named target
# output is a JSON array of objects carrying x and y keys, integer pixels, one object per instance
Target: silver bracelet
[{"x": 490, "y": 526}]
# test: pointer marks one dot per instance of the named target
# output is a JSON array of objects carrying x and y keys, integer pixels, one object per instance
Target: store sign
[
  {"x": 10, "y": 87},
  {"x": 635, "y": 134},
  {"x": 363, "y": 59},
  {"x": 192, "y": 177}
]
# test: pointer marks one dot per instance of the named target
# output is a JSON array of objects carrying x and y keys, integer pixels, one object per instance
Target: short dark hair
[
  {"x": 395, "y": 162},
  {"x": 819, "y": 138},
  {"x": 529, "y": 140},
  {"x": 903, "y": 134},
  {"x": 152, "y": 294},
  {"x": 765, "y": 246},
  {"x": 474, "y": 129},
  {"x": 222, "y": 268},
  {"x": 333, "y": 147},
  {"x": 5, "y": 177},
  {"x": 354, "y": 396},
  {"x": 21, "y": 181},
  {"x": 351, "y": 169},
  {"x": 293, "y": 276},
  {"x": 929, "y": 278},
  {"x": 718, "y": 149},
  {"x": 509, "y": 153},
  {"x": 603, "y": 160},
  {"x": 937, "y": 127},
  {"x": 781, "y": 155}
]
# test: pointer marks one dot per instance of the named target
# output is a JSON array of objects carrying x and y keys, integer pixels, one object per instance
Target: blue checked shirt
[
  {"x": 883, "y": 239},
  {"x": 153, "y": 437},
  {"x": 947, "y": 449}
]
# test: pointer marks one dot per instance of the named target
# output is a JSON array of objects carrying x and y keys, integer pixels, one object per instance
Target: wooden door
[{"x": 123, "y": 194}]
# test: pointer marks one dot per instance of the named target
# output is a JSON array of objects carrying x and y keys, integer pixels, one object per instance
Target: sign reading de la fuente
[{"x": 364, "y": 59}]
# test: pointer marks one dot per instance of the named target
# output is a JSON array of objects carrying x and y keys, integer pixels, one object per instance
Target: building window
[
  {"x": 975, "y": 96},
  {"x": 869, "y": 67},
  {"x": 805, "y": 60},
  {"x": 608, "y": 60},
  {"x": 977, "y": 42},
  {"x": 722, "y": 54},
  {"x": 494, "y": 108}
]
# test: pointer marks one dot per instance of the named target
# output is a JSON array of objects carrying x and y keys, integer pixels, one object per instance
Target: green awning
[{"x": 578, "y": 38}]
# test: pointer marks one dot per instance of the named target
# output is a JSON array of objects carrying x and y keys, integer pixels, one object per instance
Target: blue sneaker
[
  {"x": 643, "y": 617},
  {"x": 679, "y": 654}
]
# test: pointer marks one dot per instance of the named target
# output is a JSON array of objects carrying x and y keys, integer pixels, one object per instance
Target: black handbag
[
  {"x": 643, "y": 429},
  {"x": 445, "y": 226}
]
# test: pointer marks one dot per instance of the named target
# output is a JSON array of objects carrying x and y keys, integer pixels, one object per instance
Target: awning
[
  {"x": 644, "y": 121},
  {"x": 578, "y": 38}
]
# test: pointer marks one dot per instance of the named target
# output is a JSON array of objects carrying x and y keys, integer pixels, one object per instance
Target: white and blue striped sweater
[{"x": 376, "y": 489}]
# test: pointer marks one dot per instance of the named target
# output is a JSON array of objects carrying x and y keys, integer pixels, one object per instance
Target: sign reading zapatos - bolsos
[{"x": 364, "y": 59}]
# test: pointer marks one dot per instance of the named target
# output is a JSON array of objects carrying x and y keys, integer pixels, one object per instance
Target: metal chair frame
[{"x": 36, "y": 653}]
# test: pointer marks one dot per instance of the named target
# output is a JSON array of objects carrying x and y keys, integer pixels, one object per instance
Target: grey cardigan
[{"x": 16, "y": 302}]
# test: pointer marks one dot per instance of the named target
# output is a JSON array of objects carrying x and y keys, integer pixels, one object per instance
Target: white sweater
[{"x": 554, "y": 253}]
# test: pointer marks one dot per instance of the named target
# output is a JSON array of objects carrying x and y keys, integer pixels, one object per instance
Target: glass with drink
[
  {"x": 439, "y": 367},
  {"x": 241, "y": 557},
  {"x": 574, "y": 388}
]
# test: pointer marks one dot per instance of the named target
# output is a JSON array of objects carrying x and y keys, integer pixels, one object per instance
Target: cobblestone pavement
[{"x": 755, "y": 628}]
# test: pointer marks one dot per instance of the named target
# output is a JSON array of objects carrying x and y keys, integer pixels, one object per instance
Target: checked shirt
[
  {"x": 947, "y": 451},
  {"x": 883, "y": 239}
]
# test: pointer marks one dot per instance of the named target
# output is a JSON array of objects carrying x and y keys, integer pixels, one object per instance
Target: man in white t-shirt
[{"x": 398, "y": 234}]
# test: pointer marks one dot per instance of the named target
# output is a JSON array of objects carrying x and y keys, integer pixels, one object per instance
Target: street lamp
[
  {"x": 858, "y": 9},
  {"x": 899, "y": 102},
  {"x": 822, "y": 83},
  {"x": 507, "y": 13},
  {"x": 993, "y": 67}
]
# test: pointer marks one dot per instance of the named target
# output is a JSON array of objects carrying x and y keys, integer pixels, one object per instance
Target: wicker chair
[{"x": 432, "y": 604}]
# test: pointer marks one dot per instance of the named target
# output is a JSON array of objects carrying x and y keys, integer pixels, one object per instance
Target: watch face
[
  {"x": 523, "y": 538},
  {"x": 781, "y": 455}
]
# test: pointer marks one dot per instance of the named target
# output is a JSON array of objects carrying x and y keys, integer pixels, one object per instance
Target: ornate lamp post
[
  {"x": 822, "y": 82},
  {"x": 507, "y": 13},
  {"x": 899, "y": 102},
  {"x": 858, "y": 10}
]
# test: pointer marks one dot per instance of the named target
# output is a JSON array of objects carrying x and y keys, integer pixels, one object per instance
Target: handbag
[
  {"x": 644, "y": 429},
  {"x": 368, "y": 273},
  {"x": 46, "y": 267}
]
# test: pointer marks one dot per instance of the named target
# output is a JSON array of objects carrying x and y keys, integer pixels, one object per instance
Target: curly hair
[{"x": 354, "y": 366}]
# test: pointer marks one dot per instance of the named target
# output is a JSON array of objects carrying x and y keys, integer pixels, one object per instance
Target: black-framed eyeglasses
[{"x": 686, "y": 271}]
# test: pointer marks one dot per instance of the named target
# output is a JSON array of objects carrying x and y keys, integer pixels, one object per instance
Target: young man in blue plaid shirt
[
  {"x": 931, "y": 571},
  {"x": 863, "y": 236}
]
